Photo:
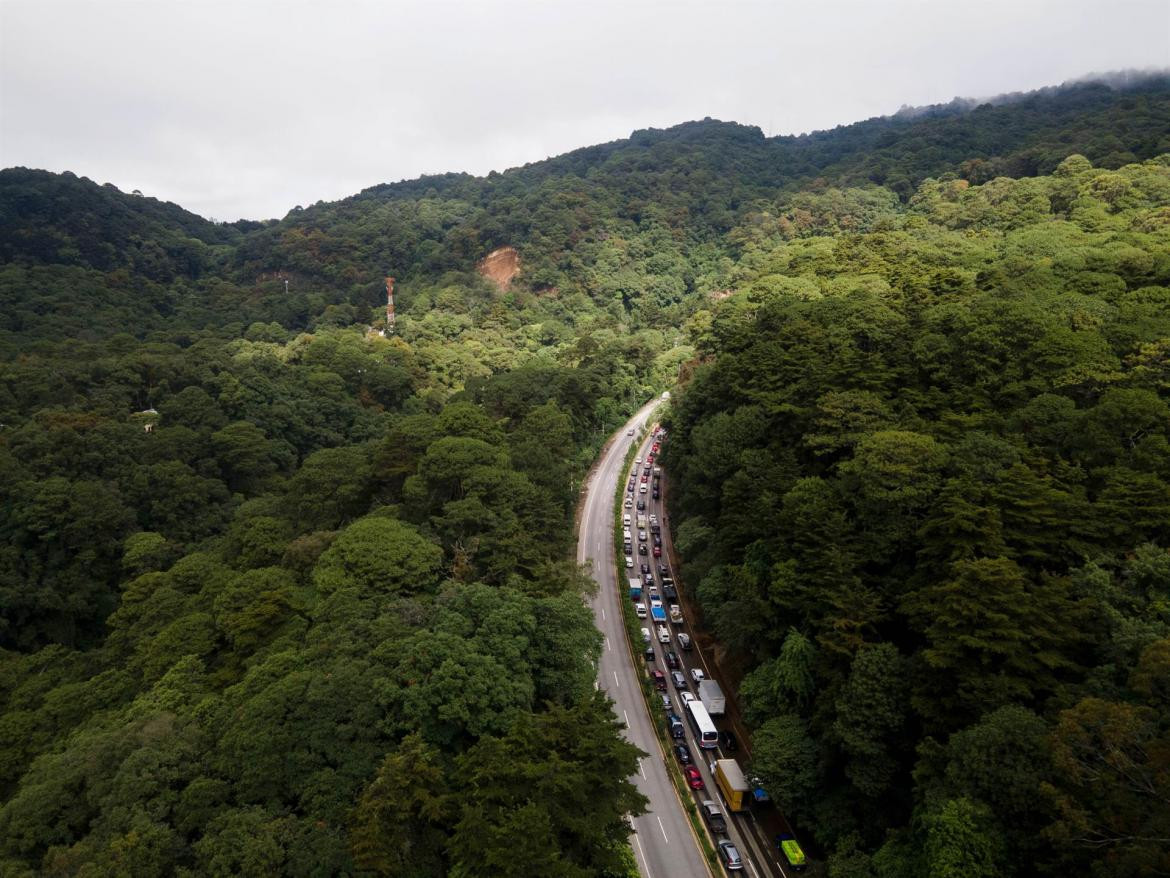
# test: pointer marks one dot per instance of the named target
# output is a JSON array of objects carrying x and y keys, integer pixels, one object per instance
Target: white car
[
  {"x": 640, "y": 610},
  {"x": 697, "y": 675},
  {"x": 629, "y": 562},
  {"x": 629, "y": 503},
  {"x": 645, "y": 635},
  {"x": 642, "y": 488},
  {"x": 630, "y": 432},
  {"x": 637, "y": 462},
  {"x": 685, "y": 697}
]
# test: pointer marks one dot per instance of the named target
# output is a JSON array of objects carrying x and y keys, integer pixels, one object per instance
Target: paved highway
[{"x": 664, "y": 843}]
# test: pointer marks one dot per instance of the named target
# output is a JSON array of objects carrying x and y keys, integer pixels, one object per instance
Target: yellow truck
[{"x": 732, "y": 784}]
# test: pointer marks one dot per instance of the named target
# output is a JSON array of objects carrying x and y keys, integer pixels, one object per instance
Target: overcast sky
[{"x": 245, "y": 108}]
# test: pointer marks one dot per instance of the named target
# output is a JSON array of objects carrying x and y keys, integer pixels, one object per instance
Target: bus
[{"x": 701, "y": 723}]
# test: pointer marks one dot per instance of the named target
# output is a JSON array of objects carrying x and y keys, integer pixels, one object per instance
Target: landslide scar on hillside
[{"x": 500, "y": 266}]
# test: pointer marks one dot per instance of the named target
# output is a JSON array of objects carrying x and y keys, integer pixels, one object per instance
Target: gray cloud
[{"x": 247, "y": 108}]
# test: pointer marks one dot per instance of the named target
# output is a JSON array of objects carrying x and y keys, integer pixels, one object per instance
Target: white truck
[{"x": 712, "y": 697}]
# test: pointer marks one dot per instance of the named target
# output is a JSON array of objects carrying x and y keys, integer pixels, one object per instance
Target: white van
[{"x": 663, "y": 634}]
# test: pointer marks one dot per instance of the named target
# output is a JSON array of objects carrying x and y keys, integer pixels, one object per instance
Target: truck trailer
[
  {"x": 732, "y": 784},
  {"x": 712, "y": 697}
]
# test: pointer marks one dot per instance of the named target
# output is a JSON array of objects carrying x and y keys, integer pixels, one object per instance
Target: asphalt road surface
[{"x": 664, "y": 843}]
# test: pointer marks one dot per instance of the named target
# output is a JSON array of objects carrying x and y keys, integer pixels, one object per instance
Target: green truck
[{"x": 790, "y": 848}]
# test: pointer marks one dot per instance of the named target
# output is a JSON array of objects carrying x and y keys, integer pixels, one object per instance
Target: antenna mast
[{"x": 389, "y": 305}]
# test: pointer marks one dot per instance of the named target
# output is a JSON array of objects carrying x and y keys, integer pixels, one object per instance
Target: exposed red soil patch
[{"x": 500, "y": 266}]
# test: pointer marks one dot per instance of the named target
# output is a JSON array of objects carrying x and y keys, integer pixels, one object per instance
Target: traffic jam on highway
[{"x": 673, "y": 663}]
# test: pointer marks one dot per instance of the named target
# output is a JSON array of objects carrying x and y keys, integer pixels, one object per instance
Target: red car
[
  {"x": 694, "y": 779},
  {"x": 657, "y": 551}
]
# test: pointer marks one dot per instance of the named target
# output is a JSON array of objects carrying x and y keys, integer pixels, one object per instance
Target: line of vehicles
[{"x": 655, "y": 597}]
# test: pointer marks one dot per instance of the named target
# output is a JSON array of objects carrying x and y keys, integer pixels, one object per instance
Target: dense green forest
[
  {"x": 334, "y": 569},
  {"x": 924, "y": 496},
  {"x": 281, "y": 595}
]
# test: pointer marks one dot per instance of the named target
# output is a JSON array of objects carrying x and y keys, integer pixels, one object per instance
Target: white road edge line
[{"x": 642, "y": 854}]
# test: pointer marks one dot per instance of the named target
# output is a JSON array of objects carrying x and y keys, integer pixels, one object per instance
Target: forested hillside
[
  {"x": 282, "y": 595},
  {"x": 923, "y": 494},
  {"x": 639, "y": 227}
]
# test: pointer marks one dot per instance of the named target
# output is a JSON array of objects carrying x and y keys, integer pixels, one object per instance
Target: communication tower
[{"x": 389, "y": 305}]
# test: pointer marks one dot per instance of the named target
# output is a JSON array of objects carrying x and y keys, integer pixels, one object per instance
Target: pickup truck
[
  {"x": 713, "y": 816},
  {"x": 658, "y": 613}
]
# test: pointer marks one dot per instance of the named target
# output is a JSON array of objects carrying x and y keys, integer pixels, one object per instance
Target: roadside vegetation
[
  {"x": 282, "y": 595},
  {"x": 923, "y": 492}
]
